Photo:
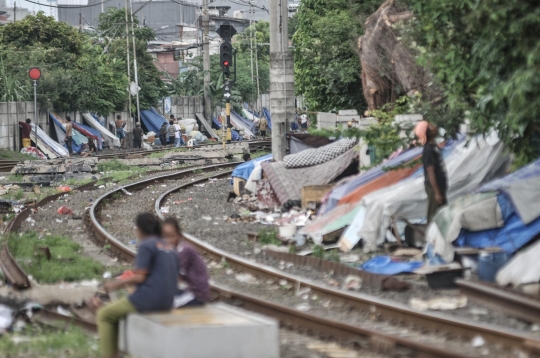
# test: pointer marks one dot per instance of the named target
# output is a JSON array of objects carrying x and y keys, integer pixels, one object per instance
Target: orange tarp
[{"x": 390, "y": 178}]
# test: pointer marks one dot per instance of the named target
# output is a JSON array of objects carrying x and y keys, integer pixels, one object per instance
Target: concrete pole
[
  {"x": 128, "y": 62},
  {"x": 135, "y": 59},
  {"x": 206, "y": 61},
  {"x": 281, "y": 78}
]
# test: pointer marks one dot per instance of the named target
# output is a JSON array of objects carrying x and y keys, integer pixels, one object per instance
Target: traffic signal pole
[{"x": 227, "y": 31}]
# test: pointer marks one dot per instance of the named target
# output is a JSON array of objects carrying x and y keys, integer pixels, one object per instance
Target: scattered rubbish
[
  {"x": 393, "y": 284},
  {"x": 63, "y": 311},
  {"x": 535, "y": 328},
  {"x": 386, "y": 266},
  {"x": 303, "y": 307},
  {"x": 164, "y": 210},
  {"x": 107, "y": 274},
  {"x": 478, "y": 341},
  {"x": 349, "y": 258},
  {"x": 276, "y": 248},
  {"x": 478, "y": 311},
  {"x": 406, "y": 252},
  {"x": 163, "y": 185},
  {"x": 438, "y": 303},
  {"x": 63, "y": 189},
  {"x": 352, "y": 282},
  {"x": 229, "y": 271},
  {"x": 6, "y": 317},
  {"x": 283, "y": 282},
  {"x": 101, "y": 186},
  {"x": 132, "y": 242},
  {"x": 207, "y": 218},
  {"x": 58, "y": 221},
  {"x": 199, "y": 185},
  {"x": 64, "y": 210},
  {"x": 246, "y": 278},
  {"x": 126, "y": 192}
]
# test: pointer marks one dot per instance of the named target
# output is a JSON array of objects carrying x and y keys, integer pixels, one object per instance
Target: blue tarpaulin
[
  {"x": 235, "y": 137},
  {"x": 152, "y": 120},
  {"x": 244, "y": 170},
  {"x": 78, "y": 138},
  {"x": 511, "y": 237},
  {"x": 385, "y": 266},
  {"x": 266, "y": 114},
  {"x": 94, "y": 132},
  {"x": 250, "y": 124}
]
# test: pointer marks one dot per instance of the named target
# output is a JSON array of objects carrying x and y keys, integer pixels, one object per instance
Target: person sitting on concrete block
[
  {"x": 193, "y": 270},
  {"x": 155, "y": 275}
]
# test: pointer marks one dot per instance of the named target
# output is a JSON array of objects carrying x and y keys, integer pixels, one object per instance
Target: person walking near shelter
[
  {"x": 172, "y": 131},
  {"x": 177, "y": 135},
  {"x": 193, "y": 270},
  {"x": 155, "y": 275},
  {"x": 262, "y": 127},
  {"x": 26, "y": 129},
  {"x": 69, "y": 135},
  {"x": 120, "y": 124},
  {"x": 163, "y": 134},
  {"x": 436, "y": 181},
  {"x": 137, "y": 136}
]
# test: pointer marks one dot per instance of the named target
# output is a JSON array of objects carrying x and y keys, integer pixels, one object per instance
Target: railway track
[{"x": 390, "y": 339}]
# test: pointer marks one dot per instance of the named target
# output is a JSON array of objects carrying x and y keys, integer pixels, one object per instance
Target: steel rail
[
  {"x": 513, "y": 303},
  {"x": 381, "y": 307}
]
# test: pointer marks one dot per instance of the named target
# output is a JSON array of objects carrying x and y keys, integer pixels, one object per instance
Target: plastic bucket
[
  {"x": 287, "y": 230},
  {"x": 489, "y": 264}
]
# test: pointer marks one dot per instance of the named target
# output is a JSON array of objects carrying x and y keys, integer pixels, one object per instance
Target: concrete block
[
  {"x": 212, "y": 331},
  {"x": 345, "y": 119},
  {"x": 347, "y": 112},
  {"x": 403, "y": 119}
]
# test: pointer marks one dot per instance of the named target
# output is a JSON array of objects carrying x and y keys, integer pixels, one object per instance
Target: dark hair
[
  {"x": 148, "y": 224},
  {"x": 118, "y": 116},
  {"x": 174, "y": 223},
  {"x": 28, "y": 120},
  {"x": 171, "y": 122},
  {"x": 246, "y": 156},
  {"x": 68, "y": 118},
  {"x": 171, "y": 116}
]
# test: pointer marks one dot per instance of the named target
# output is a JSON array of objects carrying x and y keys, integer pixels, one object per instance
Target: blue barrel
[{"x": 489, "y": 264}]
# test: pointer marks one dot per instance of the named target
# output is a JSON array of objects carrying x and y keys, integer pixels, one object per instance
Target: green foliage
[
  {"x": 43, "y": 342},
  {"x": 326, "y": 65},
  {"x": 66, "y": 263},
  {"x": 12, "y": 155},
  {"x": 112, "y": 165},
  {"x": 318, "y": 251},
  {"x": 268, "y": 237},
  {"x": 485, "y": 55}
]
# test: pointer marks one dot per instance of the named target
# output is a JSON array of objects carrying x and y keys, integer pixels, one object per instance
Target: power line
[{"x": 67, "y": 6}]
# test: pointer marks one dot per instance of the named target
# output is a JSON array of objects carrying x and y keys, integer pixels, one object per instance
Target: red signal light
[{"x": 225, "y": 63}]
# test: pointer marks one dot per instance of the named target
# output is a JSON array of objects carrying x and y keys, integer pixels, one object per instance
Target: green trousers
[
  {"x": 107, "y": 322},
  {"x": 432, "y": 204}
]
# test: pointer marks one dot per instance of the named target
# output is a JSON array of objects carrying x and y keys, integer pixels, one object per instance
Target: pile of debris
[{"x": 57, "y": 170}]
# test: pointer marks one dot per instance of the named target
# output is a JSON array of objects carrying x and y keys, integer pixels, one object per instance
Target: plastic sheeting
[
  {"x": 469, "y": 165},
  {"x": 93, "y": 131},
  {"x": 522, "y": 269},
  {"x": 78, "y": 138},
  {"x": 244, "y": 170},
  {"x": 384, "y": 265},
  {"x": 239, "y": 122},
  {"x": 46, "y": 144},
  {"x": 94, "y": 123},
  {"x": 235, "y": 137},
  {"x": 152, "y": 120}
]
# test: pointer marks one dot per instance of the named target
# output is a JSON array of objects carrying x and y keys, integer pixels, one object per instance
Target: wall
[
  {"x": 10, "y": 115},
  {"x": 185, "y": 107}
]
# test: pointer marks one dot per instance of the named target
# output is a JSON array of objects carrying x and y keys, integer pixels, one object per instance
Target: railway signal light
[{"x": 225, "y": 56}]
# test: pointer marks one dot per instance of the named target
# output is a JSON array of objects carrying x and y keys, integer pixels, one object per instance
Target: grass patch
[
  {"x": 15, "y": 178},
  {"x": 258, "y": 154},
  {"x": 66, "y": 263},
  {"x": 163, "y": 153},
  {"x": 46, "y": 342},
  {"x": 198, "y": 171},
  {"x": 12, "y": 155},
  {"x": 77, "y": 182},
  {"x": 112, "y": 165},
  {"x": 268, "y": 237}
]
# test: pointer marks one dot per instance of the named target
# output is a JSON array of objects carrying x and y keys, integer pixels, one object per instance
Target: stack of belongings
[
  {"x": 299, "y": 142},
  {"x": 235, "y": 137},
  {"x": 246, "y": 174},
  {"x": 310, "y": 167},
  {"x": 504, "y": 214}
]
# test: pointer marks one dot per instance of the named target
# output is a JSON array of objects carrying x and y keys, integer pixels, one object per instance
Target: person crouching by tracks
[
  {"x": 155, "y": 276},
  {"x": 193, "y": 270}
]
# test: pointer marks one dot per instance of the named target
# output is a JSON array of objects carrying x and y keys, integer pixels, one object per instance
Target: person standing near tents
[
  {"x": 69, "y": 135},
  {"x": 120, "y": 124},
  {"x": 171, "y": 130},
  {"x": 26, "y": 129},
  {"x": 137, "y": 136},
  {"x": 163, "y": 134},
  {"x": 262, "y": 127},
  {"x": 436, "y": 181}
]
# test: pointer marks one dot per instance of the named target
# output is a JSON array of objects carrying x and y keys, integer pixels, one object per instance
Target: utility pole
[
  {"x": 128, "y": 63},
  {"x": 281, "y": 77},
  {"x": 14, "y": 11},
  {"x": 135, "y": 60},
  {"x": 206, "y": 60}
]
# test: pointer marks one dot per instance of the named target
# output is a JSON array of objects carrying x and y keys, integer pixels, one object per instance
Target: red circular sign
[{"x": 34, "y": 73}]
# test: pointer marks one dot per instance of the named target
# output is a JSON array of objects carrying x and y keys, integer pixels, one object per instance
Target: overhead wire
[{"x": 68, "y": 6}]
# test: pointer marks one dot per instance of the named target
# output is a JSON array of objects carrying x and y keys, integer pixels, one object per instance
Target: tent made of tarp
[
  {"x": 235, "y": 137},
  {"x": 94, "y": 123},
  {"x": 244, "y": 170},
  {"x": 239, "y": 122},
  {"x": 78, "y": 138},
  {"x": 152, "y": 120},
  {"x": 90, "y": 132},
  {"x": 207, "y": 126},
  {"x": 46, "y": 144},
  {"x": 469, "y": 165},
  {"x": 287, "y": 183},
  {"x": 266, "y": 114}
]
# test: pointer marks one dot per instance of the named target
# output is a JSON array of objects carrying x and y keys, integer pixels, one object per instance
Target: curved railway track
[{"x": 325, "y": 327}]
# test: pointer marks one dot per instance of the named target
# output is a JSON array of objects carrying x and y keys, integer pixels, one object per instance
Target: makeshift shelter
[
  {"x": 207, "y": 126},
  {"x": 320, "y": 155},
  {"x": 244, "y": 170},
  {"x": 94, "y": 123},
  {"x": 503, "y": 213},
  {"x": 522, "y": 269},
  {"x": 287, "y": 183},
  {"x": 46, "y": 144},
  {"x": 468, "y": 166},
  {"x": 152, "y": 120},
  {"x": 299, "y": 142},
  {"x": 239, "y": 122},
  {"x": 266, "y": 114},
  {"x": 60, "y": 129},
  {"x": 235, "y": 137},
  {"x": 90, "y": 133}
]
